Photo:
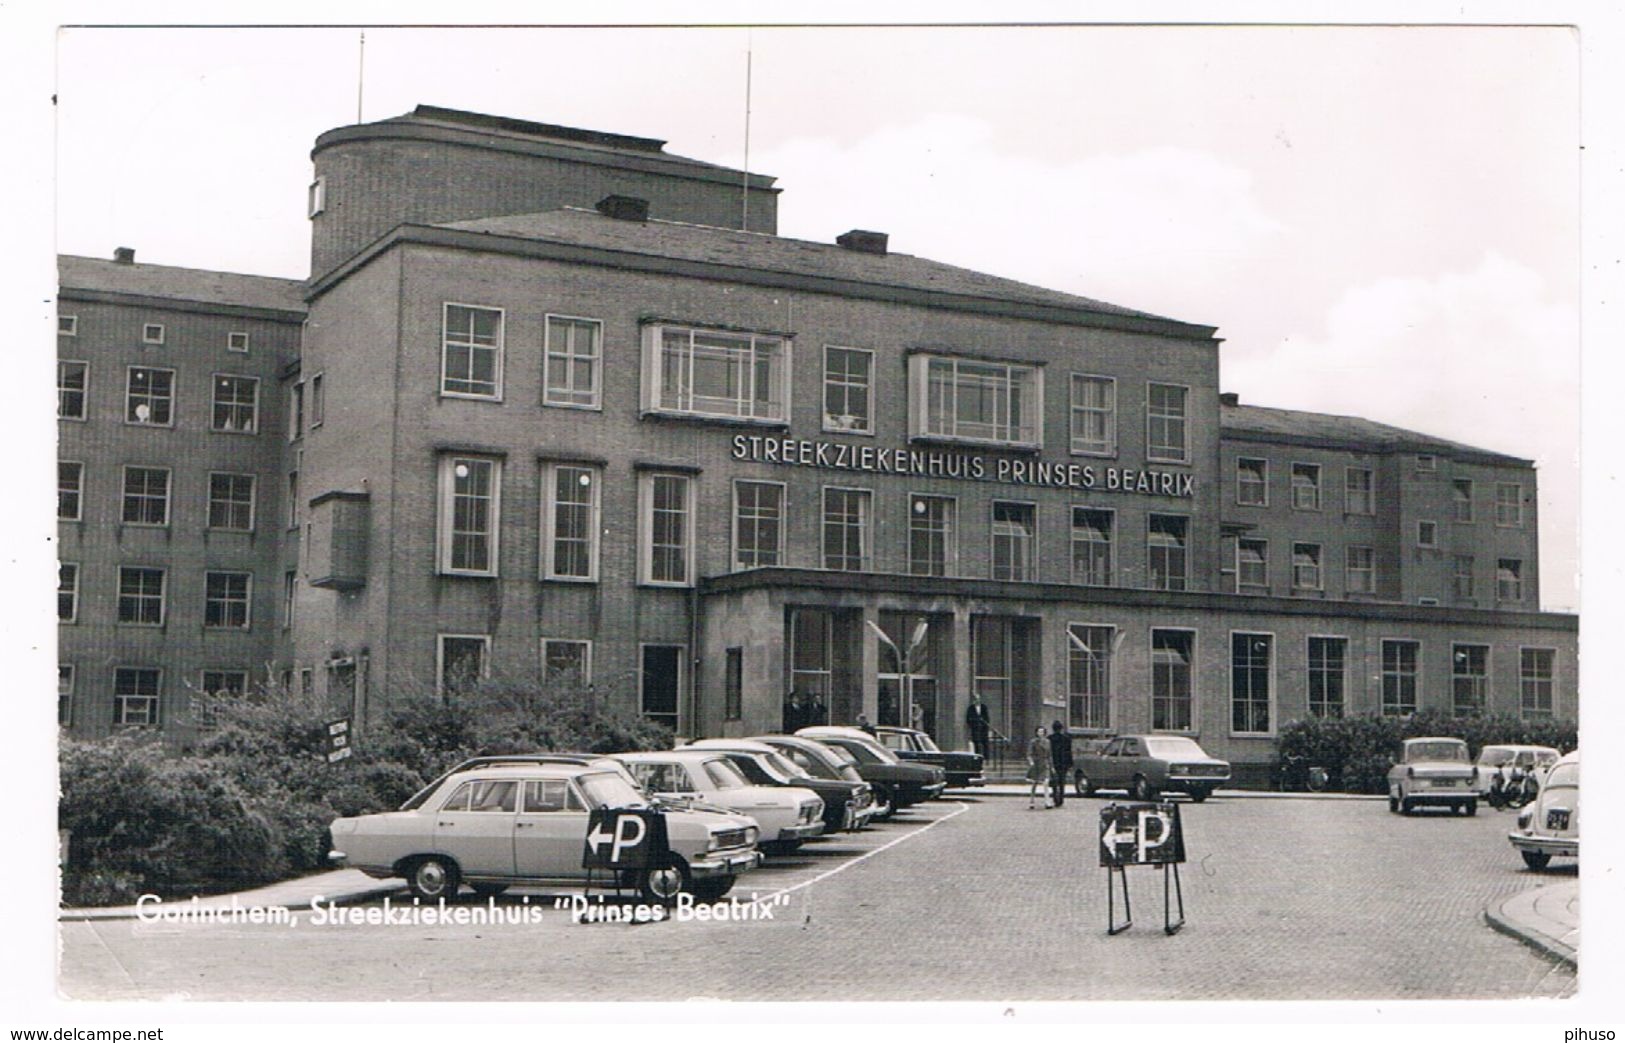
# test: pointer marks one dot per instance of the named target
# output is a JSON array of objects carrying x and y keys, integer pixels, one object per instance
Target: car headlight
[
  {"x": 1525, "y": 817},
  {"x": 751, "y": 833}
]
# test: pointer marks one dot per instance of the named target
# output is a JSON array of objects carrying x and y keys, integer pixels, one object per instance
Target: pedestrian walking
[
  {"x": 1060, "y": 760},
  {"x": 1038, "y": 768}
]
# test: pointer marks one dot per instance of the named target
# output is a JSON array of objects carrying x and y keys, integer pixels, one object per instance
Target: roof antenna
[
  {"x": 744, "y": 181},
  {"x": 360, "y": 74}
]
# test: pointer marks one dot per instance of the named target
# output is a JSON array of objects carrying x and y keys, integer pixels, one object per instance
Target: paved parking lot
[{"x": 972, "y": 898}]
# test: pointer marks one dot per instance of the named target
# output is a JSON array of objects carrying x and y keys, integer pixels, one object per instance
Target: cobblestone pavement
[{"x": 1286, "y": 899}]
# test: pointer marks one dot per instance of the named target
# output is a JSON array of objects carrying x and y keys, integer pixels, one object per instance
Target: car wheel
[
  {"x": 488, "y": 890},
  {"x": 1536, "y": 859},
  {"x": 712, "y": 889},
  {"x": 1471, "y": 807},
  {"x": 1404, "y": 805},
  {"x": 433, "y": 879},
  {"x": 1393, "y": 800},
  {"x": 1081, "y": 784},
  {"x": 1142, "y": 790},
  {"x": 1198, "y": 795},
  {"x": 885, "y": 805},
  {"x": 661, "y": 885}
]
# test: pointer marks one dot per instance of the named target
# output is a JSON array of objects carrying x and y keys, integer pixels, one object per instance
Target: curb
[
  {"x": 1010, "y": 789},
  {"x": 127, "y": 912},
  {"x": 1495, "y": 915}
]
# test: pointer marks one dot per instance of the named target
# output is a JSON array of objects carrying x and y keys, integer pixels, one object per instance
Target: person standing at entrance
[
  {"x": 1038, "y": 760},
  {"x": 976, "y": 722},
  {"x": 1060, "y": 759}
]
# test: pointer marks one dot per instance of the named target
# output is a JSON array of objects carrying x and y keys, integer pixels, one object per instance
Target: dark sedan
[
  {"x": 900, "y": 784},
  {"x": 847, "y": 804},
  {"x": 829, "y": 762},
  {"x": 910, "y": 744}
]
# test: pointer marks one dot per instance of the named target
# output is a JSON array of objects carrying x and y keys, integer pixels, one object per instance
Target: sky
[{"x": 1381, "y": 222}]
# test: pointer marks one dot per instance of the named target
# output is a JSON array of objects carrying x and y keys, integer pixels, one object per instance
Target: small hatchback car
[
  {"x": 1550, "y": 827},
  {"x": 1432, "y": 770}
]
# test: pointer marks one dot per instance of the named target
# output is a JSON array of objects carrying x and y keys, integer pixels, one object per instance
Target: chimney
[
  {"x": 1229, "y": 398},
  {"x": 124, "y": 255},
  {"x": 863, "y": 242},
  {"x": 624, "y": 208}
]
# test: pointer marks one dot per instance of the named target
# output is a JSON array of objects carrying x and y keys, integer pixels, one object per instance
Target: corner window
[
  {"x": 1328, "y": 657},
  {"x": 146, "y": 496},
  {"x": 67, "y": 325},
  {"x": 1094, "y": 415},
  {"x": 1166, "y": 557},
  {"x": 758, "y": 524},
  {"x": 1306, "y": 487},
  {"x": 1015, "y": 541},
  {"x": 567, "y": 662},
  {"x": 570, "y": 525},
  {"x": 1092, "y": 536},
  {"x": 1359, "y": 491},
  {"x": 1508, "y": 504},
  {"x": 152, "y": 333},
  {"x": 932, "y": 547},
  {"x": 1360, "y": 570},
  {"x": 461, "y": 662},
  {"x": 666, "y": 519},
  {"x": 237, "y": 341},
  {"x": 141, "y": 596},
  {"x": 968, "y": 400},
  {"x": 1461, "y": 495},
  {"x": 72, "y": 384},
  {"x": 846, "y": 529},
  {"x": 1250, "y": 680},
  {"x": 1166, "y": 434},
  {"x": 849, "y": 392},
  {"x": 1253, "y": 566},
  {"x": 1508, "y": 579},
  {"x": 471, "y": 352},
  {"x": 70, "y": 484},
  {"x": 1252, "y": 482},
  {"x": 67, "y": 592},
  {"x": 1399, "y": 677},
  {"x": 1306, "y": 566},
  {"x": 714, "y": 373},
  {"x": 135, "y": 696},
  {"x": 1469, "y": 679},
  {"x": 1172, "y": 695},
  {"x": 571, "y": 367},
  {"x": 149, "y": 396},
  {"x": 236, "y": 404},
  {"x": 1536, "y": 671},
  {"x": 470, "y": 502}
]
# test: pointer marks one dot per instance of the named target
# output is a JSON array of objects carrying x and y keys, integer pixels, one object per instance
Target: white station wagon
[
  {"x": 787, "y": 815},
  {"x": 503, "y": 824}
]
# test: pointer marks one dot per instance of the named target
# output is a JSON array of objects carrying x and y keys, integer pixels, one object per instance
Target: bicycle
[{"x": 1296, "y": 773}]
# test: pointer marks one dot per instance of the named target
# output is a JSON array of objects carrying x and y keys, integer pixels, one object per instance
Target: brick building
[{"x": 566, "y": 405}]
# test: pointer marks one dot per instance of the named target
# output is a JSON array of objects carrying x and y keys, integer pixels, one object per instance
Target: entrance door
[{"x": 661, "y": 681}]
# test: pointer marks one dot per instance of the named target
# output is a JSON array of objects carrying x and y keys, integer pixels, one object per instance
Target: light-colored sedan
[
  {"x": 786, "y": 815},
  {"x": 497, "y": 825},
  {"x": 1550, "y": 827},
  {"x": 1432, "y": 770}
]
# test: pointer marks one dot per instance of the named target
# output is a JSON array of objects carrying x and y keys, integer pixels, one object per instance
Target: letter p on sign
[{"x": 625, "y": 837}]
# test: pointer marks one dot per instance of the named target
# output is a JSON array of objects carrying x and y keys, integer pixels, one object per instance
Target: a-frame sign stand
[{"x": 1142, "y": 834}]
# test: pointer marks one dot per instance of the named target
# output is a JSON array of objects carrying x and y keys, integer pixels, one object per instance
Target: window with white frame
[
  {"x": 67, "y": 325},
  {"x": 1167, "y": 560},
  {"x": 1427, "y": 534},
  {"x": 461, "y": 662},
  {"x": 135, "y": 696},
  {"x": 1508, "y": 579},
  {"x": 849, "y": 390},
  {"x": 67, "y": 592},
  {"x": 1328, "y": 659},
  {"x": 293, "y": 499},
  {"x": 716, "y": 373},
  {"x": 1399, "y": 677},
  {"x": 1536, "y": 670},
  {"x": 1167, "y": 436},
  {"x": 1250, "y": 671},
  {"x": 1359, "y": 491},
  {"x": 1089, "y": 675},
  {"x": 226, "y": 599},
  {"x": 64, "y": 694},
  {"x": 141, "y": 596},
  {"x": 296, "y": 410},
  {"x": 469, "y": 524},
  {"x": 666, "y": 512},
  {"x": 471, "y": 351},
  {"x": 1015, "y": 541},
  {"x": 236, "y": 404},
  {"x": 1469, "y": 679},
  {"x": 571, "y": 366},
  {"x": 1252, "y": 566},
  {"x": 1509, "y": 504},
  {"x": 1306, "y": 566},
  {"x": 570, "y": 526},
  {"x": 1094, "y": 415},
  {"x": 1172, "y": 694},
  {"x": 152, "y": 333},
  {"x": 146, "y": 496},
  {"x": 1461, "y": 498},
  {"x": 70, "y": 488},
  {"x": 237, "y": 340},
  {"x": 1093, "y": 563},
  {"x": 931, "y": 541},
  {"x": 318, "y": 400},
  {"x": 290, "y": 599},
  {"x": 72, "y": 385},
  {"x": 1461, "y": 577},
  {"x": 758, "y": 524},
  {"x": 149, "y": 396},
  {"x": 566, "y": 661},
  {"x": 1360, "y": 570},
  {"x": 1252, "y": 482},
  {"x": 971, "y": 400},
  {"x": 1306, "y": 487},
  {"x": 846, "y": 529},
  {"x": 316, "y": 197}
]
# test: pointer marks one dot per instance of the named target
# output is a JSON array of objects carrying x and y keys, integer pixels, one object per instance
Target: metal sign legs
[{"x": 1173, "y": 895}]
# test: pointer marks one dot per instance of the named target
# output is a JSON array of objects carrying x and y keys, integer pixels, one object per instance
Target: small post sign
[
  {"x": 1142, "y": 835},
  {"x": 625, "y": 838},
  {"x": 338, "y": 740}
]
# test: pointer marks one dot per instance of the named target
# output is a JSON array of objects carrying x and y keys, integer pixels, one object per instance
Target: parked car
[
  {"x": 1550, "y": 827},
  {"x": 1432, "y": 770},
  {"x": 1509, "y": 758},
  {"x": 847, "y": 805},
  {"x": 898, "y": 784},
  {"x": 495, "y": 825},
  {"x": 962, "y": 768},
  {"x": 787, "y": 815},
  {"x": 601, "y": 761},
  {"x": 1147, "y": 765},
  {"x": 827, "y": 762}
]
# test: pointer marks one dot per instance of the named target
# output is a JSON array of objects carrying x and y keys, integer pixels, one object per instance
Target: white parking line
[{"x": 826, "y": 874}]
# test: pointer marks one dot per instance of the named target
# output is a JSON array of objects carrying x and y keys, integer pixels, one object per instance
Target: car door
[
  {"x": 549, "y": 830},
  {"x": 1111, "y": 766},
  {"x": 475, "y": 826}
]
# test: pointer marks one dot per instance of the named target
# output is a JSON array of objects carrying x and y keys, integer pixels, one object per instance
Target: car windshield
[
  {"x": 607, "y": 789},
  {"x": 923, "y": 741},
  {"x": 866, "y": 753},
  {"x": 724, "y": 775},
  {"x": 1436, "y": 751},
  {"x": 1494, "y": 756},
  {"x": 1564, "y": 775},
  {"x": 785, "y": 766},
  {"x": 1168, "y": 749}
]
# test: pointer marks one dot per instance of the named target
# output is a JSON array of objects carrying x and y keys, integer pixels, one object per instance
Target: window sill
[
  {"x": 582, "y": 407},
  {"x": 230, "y": 431},
  {"x": 653, "y": 584},
  {"x": 985, "y": 443},
  {"x": 471, "y": 396},
  {"x": 1094, "y": 454},
  {"x": 574, "y": 581},
  {"x": 139, "y": 423},
  {"x": 461, "y": 574},
  {"x": 75, "y": 419},
  {"x": 724, "y": 419},
  {"x": 1182, "y": 460}
]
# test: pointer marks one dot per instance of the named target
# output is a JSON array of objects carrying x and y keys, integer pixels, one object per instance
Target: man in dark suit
[
  {"x": 1060, "y": 760},
  {"x": 976, "y": 721}
]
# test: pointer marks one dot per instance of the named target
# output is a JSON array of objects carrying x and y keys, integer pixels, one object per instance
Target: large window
[
  {"x": 1094, "y": 415},
  {"x": 1461, "y": 494},
  {"x": 1469, "y": 679},
  {"x": 758, "y": 524},
  {"x": 1172, "y": 653},
  {"x": 461, "y": 662},
  {"x": 1306, "y": 487},
  {"x": 471, "y": 352},
  {"x": 712, "y": 373},
  {"x": 1252, "y": 566},
  {"x": 1015, "y": 541},
  {"x": 846, "y": 529},
  {"x": 141, "y": 596},
  {"x": 231, "y": 502},
  {"x": 1166, "y": 559},
  {"x": 236, "y": 404},
  {"x": 1166, "y": 434},
  {"x": 1399, "y": 677},
  {"x": 1360, "y": 571},
  {"x": 1508, "y": 579},
  {"x": 574, "y": 347},
  {"x": 849, "y": 392},
  {"x": 149, "y": 396},
  {"x": 566, "y": 661},
  {"x": 570, "y": 509},
  {"x": 135, "y": 696},
  {"x": 666, "y": 510},
  {"x": 1089, "y": 676},
  {"x": 812, "y": 663},
  {"x": 70, "y": 487},
  {"x": 1306, "y": 566},
  {"x": 1508, "y": 504},
  {"x": 1535, "y": 674},
  {"x": 72, "y": 384},
  {"x": 1328, "y": 658},
  {"x": 470, "y": 503},
  {"x": 975, "y": 401},
  {"x": 146, "y": 496},
  {"x": 1252, "y": 482},
  {"x": 1359, "y": 491},
  {"x": 931, "y": 544},
  {"x": 1250, "y": 682},
  {"x": 226, "y": 599},
  {"x": 1092, "y": 558},
  {"x": 67, "y": 592}
]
